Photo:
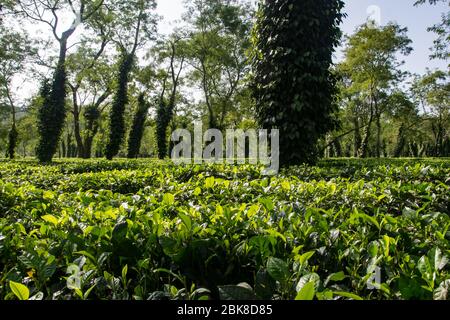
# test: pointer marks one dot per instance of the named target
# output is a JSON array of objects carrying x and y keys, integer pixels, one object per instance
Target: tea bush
[{"x": 144, "y": 229}]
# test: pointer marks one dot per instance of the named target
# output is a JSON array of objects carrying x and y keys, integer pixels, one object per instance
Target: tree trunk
[
  {"x": 76, "y": 123},
  {"x": 12, "y": 141},
  {"x": 13, "y": 134},
  {"x": 24, "y": 149},
  {"x": 212, "y": 122},
  {"x": 120, "y": 101},
  {"x": 357, "y": 137},
  {"x": 378, "y": 147},
  {"x": 62, "y": 150},
  {"x": 338, "y": 148},
  {"x": 92, "y": 129},
  {"x": 69, "y": 146},
  {"x": 440, "y": 140},
  {"x": 364, "y": 149},
  {"x": 401, "y": 142},
  {"x": 137, "y": 128},
  {"x": 88, "y": 147},
  {"x": 54, "y": 115},
  {"x": 165, "y": 112}
]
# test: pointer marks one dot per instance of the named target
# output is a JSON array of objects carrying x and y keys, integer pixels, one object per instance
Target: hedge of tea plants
[{"x": 142, "y": 229}]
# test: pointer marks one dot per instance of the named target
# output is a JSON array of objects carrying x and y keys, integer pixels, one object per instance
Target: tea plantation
[{"x": 346, "y": 229}]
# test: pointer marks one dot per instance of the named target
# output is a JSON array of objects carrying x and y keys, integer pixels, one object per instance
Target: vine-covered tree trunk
[
  {"x": 92, "y": 116},
  {"x": 439, "y": 133},
  {"x": 293, "y": 87},
  {"x": 165, "y": 110},
  {"x": 13, "y": 136},
  {"x": 52, "y": 113},
  {"x": 163, "y": 118},
  {"x": 401, "y": 142},
  {"x": 137, "y": 129},
  {"x": 89, "y": 139},
  {"x": 62, "y": 149},
  {"x": 117, "y": 117}
]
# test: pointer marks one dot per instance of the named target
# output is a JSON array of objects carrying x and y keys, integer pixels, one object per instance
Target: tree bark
[
  {"x": 76, "y": 122},
  {"x": 13, "y": 134},
  {"x": 364, "y": 149},
  {"x": 357, "y": 136},
  {"x": 378, "y": 123},
  {"x": 401, "y": 142}
]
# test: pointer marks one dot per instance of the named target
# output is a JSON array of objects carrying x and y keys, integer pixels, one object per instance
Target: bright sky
[{"x": 417, "y": 19}]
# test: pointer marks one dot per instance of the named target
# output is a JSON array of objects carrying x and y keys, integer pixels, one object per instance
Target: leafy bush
[{"x": 150, "y": 230}]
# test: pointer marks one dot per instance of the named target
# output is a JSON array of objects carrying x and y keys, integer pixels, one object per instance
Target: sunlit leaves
[
  {"x": 297, "y": 235},
  {"x": 19, "y": 290}
]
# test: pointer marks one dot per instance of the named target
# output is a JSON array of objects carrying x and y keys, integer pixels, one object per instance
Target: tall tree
[
  {"x": 137, "y": 128},
  {"x": 173, "y": 50},
  {"x": 371, "y": 62},
  {"x": 135, "y": 26},
  {"x": 293, "y": 86},
  {"x": 50, "y": 13},
  {"x": 219, "y": 40},
  {"x": 15, "y": 49},
  {"x": 91, "y": 81},
  {"x": 433, "y": 92}
]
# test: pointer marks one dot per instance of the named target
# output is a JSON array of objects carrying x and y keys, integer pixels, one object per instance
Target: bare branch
[{"x": 36, "y": 15}]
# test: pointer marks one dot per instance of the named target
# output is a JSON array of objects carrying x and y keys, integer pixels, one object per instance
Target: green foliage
[
  {"x": 15, "y": 49},
  {"x": 442, "y": 30},
  {"x": 217, "y": 45},
  {"x": 19, "y": 290},
  {"x": 137, "y": 129},
  {"x": 51, "y": 115},
  {"x": 370, "y": 75},
  {"x": 164, "y": 115},
  {"x": 140, "y": 229},
  {"x": 120, "y": 101},
  {"x": 174, "y": 50},
  {"x": 12, "y": 142},
  {"x": 371, "y": 55},
  {"x": 293, "y": 86},
  {"x": 432, "y": 92}
]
